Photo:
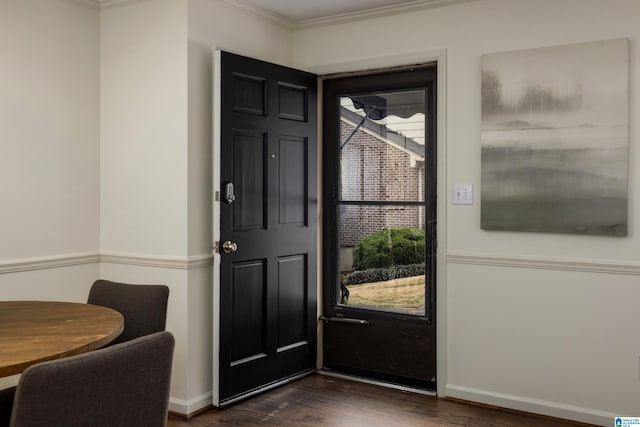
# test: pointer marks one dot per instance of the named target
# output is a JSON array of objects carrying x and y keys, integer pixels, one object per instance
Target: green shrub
[
  {"x": 389, "y": 247},
  {"x": 381, "y": 274}
]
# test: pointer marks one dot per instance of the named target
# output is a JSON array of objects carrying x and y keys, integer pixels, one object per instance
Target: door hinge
[{"x": 216, "y": 246}]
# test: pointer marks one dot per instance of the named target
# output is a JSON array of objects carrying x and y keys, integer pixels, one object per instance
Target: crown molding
[
  {"x": 261, "y": 12},
  {"x": 103, "y": 4},
  {"x": 89, "y": 4},
  {"x": 281, "y": 20},
  {"x": 379, "y": 12},
  {"x": 110, "y": 4},
  {"x": 345, "y": 17}
]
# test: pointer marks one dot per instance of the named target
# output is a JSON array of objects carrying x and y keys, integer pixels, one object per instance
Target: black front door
[
  {"x": 379, "y": 152},
  {"x": 267, "y": 225}
]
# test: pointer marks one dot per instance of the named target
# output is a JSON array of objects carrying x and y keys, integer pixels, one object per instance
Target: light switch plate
[{"x": 462, "y": 194}]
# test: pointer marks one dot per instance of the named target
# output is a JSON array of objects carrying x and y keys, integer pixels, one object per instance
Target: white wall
[
  {"x": 49, "y": 124},
  {"x": 143, "y": 151},
  {"x": 533, "y": 321}
]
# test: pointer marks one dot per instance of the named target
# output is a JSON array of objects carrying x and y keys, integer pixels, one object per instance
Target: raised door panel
[
  {"x": 292, "y": 302},
  {"x": 248, "y": 180},
  {"x": 249, "y": 312},
  {"x": 292, "y": 183}
]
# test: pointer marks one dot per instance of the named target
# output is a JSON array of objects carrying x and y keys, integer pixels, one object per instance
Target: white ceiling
[{"x": 301, "y": 11}]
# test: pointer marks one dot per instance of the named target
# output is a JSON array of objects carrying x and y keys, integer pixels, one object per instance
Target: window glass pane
[
  {"x": 382, "y": 258},
  {"x": 382, "y": 146}
]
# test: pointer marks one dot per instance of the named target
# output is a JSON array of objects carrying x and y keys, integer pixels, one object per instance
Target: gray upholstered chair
[
  {"x": 144, "y": 307},
  {"x": 121, "y": 385},
  {"x": 6, "y": 403}
]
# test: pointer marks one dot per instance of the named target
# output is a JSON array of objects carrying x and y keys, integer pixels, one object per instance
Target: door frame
[
  {"x": 217, "y": 183},
  {"x": 380, "y": 64},
  {"x": 356, "y": 67},
  {"x": 345, "y": 345}
]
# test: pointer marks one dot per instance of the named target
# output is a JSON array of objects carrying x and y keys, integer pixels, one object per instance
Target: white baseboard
[
  {"x": 184, "y": 407},
  {"x": 524, "y": 404},
  {"x": 518, "y": 403}
]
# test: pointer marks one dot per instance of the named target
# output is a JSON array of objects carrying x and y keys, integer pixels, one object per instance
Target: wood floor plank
[{"x": 320, "y": 400}]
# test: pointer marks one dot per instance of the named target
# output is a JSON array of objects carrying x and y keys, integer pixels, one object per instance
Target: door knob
[{"x": 229, "y": 247}]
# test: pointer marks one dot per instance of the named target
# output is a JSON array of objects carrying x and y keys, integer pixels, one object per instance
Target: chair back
[
  {"x": 144, "y": 307},
  {"x": 6, "y": 404},
  {"x": 122, "y": 385}
]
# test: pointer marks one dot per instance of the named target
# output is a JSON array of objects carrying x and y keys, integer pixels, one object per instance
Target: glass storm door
[{"x": 379, "y": 252}]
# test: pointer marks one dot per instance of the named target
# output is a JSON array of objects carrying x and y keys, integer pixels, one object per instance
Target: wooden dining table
[{"x": 36, "y": 331}]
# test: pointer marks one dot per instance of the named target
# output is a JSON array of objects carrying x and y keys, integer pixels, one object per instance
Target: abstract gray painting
[{"x": 555, "y": 139}]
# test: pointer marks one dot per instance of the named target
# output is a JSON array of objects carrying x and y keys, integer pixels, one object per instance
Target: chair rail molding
[
  {"x": 44, "y": 262},
  {"x": 565, "y": 264},
  {"x": 66, "y": 260},
  {"x": 161, "y": 261}
]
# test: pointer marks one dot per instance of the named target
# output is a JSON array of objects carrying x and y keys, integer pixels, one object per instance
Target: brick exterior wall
[{"x": 372, "y": 169}]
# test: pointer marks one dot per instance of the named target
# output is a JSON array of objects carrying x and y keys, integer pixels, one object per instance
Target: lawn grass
[{"x": 403, "y": 293}]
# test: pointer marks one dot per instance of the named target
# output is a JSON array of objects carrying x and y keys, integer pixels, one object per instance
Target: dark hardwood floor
[{"x": 320, "y": 400}]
